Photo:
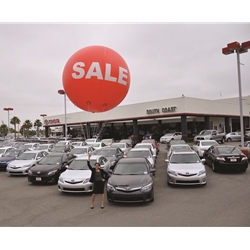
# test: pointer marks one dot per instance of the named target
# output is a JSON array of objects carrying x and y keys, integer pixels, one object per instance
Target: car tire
[
  {"x": 213, "y": 167},
  {"x": 229, "y": 139},
  {"x": 222, "y": 140}
]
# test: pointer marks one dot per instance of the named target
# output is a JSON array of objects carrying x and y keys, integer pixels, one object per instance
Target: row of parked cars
[
  {"x": 133, "y": 166},
  {"x": 186, "y": 164}
]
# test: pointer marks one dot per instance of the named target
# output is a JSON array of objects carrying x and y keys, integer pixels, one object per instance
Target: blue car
[{"x": 9, "y": 156}]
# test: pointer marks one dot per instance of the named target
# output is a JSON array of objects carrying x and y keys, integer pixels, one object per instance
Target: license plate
[
  {"x": 233, "y": 159},
  {"x": 38, "y": 178}
]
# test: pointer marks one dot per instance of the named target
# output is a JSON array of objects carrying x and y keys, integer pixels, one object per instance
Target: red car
[{"x": 154, "y": 142}]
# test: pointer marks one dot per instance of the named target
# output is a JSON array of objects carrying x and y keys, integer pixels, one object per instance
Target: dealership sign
[
  {"x": 161, "y": 110},
  {"x": 51, "y": 122}
]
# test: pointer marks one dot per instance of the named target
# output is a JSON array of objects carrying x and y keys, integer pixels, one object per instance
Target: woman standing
[{"x": 98, "y": 178}]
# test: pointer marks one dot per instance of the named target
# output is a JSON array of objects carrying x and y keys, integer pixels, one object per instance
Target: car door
[{"x": 208, "y": 155}]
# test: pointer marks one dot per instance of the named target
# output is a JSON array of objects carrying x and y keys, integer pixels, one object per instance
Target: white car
[
  {"x": 3, "y": 150},
  {"x": 24, "y": 162},
  {"x": 122, "y": 145},
  {"x": 91, "y": 140},
  {"x": 107, "y": 141},
  {"x": 46, "y": 146},
  {"x": 30, "y": 146},
  {"x": 78, "y": 143},
  {"x": 97, "y": 145},
  {"x": 75, "y": 179},
  {"x": 142, "y": 152},
  {"x": 178, "y": 147},
  {"x": 171, "y": 136},
  {"x": 147, "y": 145},
  {"x": 82, "y": 150},
  {"x": 186, "y": 168},
  {"x": 200, "y": 146}
]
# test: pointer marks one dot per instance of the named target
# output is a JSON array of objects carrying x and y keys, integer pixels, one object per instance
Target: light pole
[
  {"x": 8, "y": 109},
  {"x": 43, "y": 121},
  {"x": 239, "y": 49},
  {"x": 62, "y": 92}
]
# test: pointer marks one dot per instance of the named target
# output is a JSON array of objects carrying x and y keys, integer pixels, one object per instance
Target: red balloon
[{"x": 96, "y": 78}]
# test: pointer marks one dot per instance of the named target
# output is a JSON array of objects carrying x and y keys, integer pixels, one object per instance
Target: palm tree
[
  {"x": 4, "y": 130},
  {"x": 27, "y": 125},
  {"x": 15, "y": 120},
  {"x": 37, "y": 124}
]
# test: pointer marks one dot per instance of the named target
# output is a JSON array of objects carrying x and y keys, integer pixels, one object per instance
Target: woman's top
[{"x": 98, "y": 176}]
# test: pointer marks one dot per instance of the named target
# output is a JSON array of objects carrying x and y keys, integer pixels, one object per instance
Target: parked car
[
  {"x": 3, "y": 150},
  {"x": 147, "y": 145},
  {"x": 171, "y": 136},
  {"x": 62, "y": 148},
  {"x": 247, "y": 137},
  {"x": 79, "y": 143},
  {"x": 30, "y": 146},
  {"x": 142, "y": 152},
  {"x": 233, "y": 136},
  {"x": 91, "y": 140},
  {"x": 49, "y": 168},
  {"x": 175, "y": 142},
  {"x": 25, "y": 161},
  {"x": 130, "y": 142},
  {"x": 108, "y": 141},
  {"x": 64, "y": 142},
  {"x": 200, "y": 146},
  {"x": 210, "y": 134},
  {"x": 75, "y": 179},
  {"x": 132, "y": 180},
  {"x": 113, "y": 154},
  {"x": 9, "y": 156},
  {"x": 179, "y": 148},
  {"x": 186, "y": 168},
  {"x": 226, "y": 157},
  {"x": 122, "y": 145},
  {"x": 47, "y": 147},
  {"x": 82, "y": 150},
  {"x": 155, "y": 136},
  {"x": 97, "y": 145},
  {"x": 154, "y": 142}
]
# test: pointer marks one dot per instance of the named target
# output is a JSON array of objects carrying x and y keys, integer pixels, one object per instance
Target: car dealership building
[{"x": 185, "y": 114}]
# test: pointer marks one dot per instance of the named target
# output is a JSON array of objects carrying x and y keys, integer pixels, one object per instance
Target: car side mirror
[
  {"x": 167, "y": 161},
  {"x": 203, "y": 161}
]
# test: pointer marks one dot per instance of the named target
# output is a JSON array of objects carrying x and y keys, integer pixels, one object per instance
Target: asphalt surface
[{"x": 223, "y": 202}]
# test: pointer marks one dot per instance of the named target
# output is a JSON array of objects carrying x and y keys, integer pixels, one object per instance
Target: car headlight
[
  {"x": 220, "y": 158},
  {"x": 53, "y": 172},
  {"x": 147, "y": 188},
  {"x": 244, "y": 158},
  {"x": 61, "y": 179},
  {"x": 110, "y": 188},
  {"x": 172, "y": 172},
  {"x": 202, "y": 172},
  {"x": 85, "y": 180},
  {"x": 26, "y": 166},
  {"x": 29, "y": 172}
]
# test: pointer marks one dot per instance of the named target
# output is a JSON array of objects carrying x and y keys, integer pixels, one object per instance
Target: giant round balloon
[{"x": 96, "y": 78}]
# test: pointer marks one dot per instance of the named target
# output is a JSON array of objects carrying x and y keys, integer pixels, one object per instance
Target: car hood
[
  {"x": 186, "y": 167},
  {"x": 7, "y": 158},
  {"x": 76, "y": 174},
  {"x": 45, "y": 168},
  {"x": 18, "y": 163},
  {"x": 130, "y": 180}
]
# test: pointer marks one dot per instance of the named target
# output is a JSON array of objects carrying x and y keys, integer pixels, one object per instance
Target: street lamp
[
  {"x": 43, "y": 121},
  {"x": 8, "y": 109},
  {"x": 239, "y": 49},
  {"x": 62, "y": 92}
]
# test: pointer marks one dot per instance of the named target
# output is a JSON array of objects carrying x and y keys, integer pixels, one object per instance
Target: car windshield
[
  {"x": 184, "y": 158},
  {"x": 138, "y": 154},
  {"x": 130, "y": 169},
  {"x": 27, "y": 156},
  {"x": 107, "y": 153},
  {"x": 208, "y": 143},
  {"x": 50, "y": 160},
  {"x": 118, "y": 145},
  {"x": 229, "y": 150},
  {"x": 76, "y": 143},
  {"x": 80, "y": 165},
  {"x": 205, "y": 132},
  {"x": 126, "y": 141},
  {"x": 95, "y": 144},
  {"x": 58, "y": 149},
  {"x": 11, "y": 153},
  {"x": 180, "y": 148},
  {"x": 26, "y": 146},
  {"x": 143, "y": 146},
  {"x": 79, "y": 151},
  {"x": 62, "y": 143},
  {"x": 172, "y": 142},
  {"x": 169, "y": 134},
  {"x": 2, "y": 150},
  {"x": 43, "y": 147}
]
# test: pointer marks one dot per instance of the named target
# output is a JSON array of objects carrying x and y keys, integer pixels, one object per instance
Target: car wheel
[
  {"x": 229, "y": 139},
  {"x": 222, "y": 140},
  {"x": 213, "y": 167}
]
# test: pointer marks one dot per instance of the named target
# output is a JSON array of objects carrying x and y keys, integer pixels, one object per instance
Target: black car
[
  {"x": 9, "y": 156},
  {"x": 226, "y": 157},
  {"x": 113, "y": 154},
  {"x": 132, "y": 180},
  {"x": 49, "y": 168}
]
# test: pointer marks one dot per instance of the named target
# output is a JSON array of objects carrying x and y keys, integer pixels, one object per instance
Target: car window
[{"x": 130, "y": 169}]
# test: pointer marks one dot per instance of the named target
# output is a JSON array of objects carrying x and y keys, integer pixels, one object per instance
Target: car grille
[
  {"x": 127, "y": 189},
  {"x": 194, "y": 181},
  {"x": 74, "y": 189},
  {"x": 187, "y": 174},
  {"x": 73, "y": 182}
]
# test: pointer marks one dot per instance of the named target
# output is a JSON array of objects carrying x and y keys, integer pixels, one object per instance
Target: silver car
[
  {"x": 186, "y": 168},
  {"x": 75, "y": 179},
  {"x": 25, "y": 161},
  {"x": 233, "y": 136}
]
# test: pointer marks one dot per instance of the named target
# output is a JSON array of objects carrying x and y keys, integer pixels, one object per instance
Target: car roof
[
  {"x": 132, "y": 159},
  {"x": 33, "y": 151},
  {"x": 183, "y": 152},
  {"x": 56, "y": 154},
  {"x": 85, "y": 157}
]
